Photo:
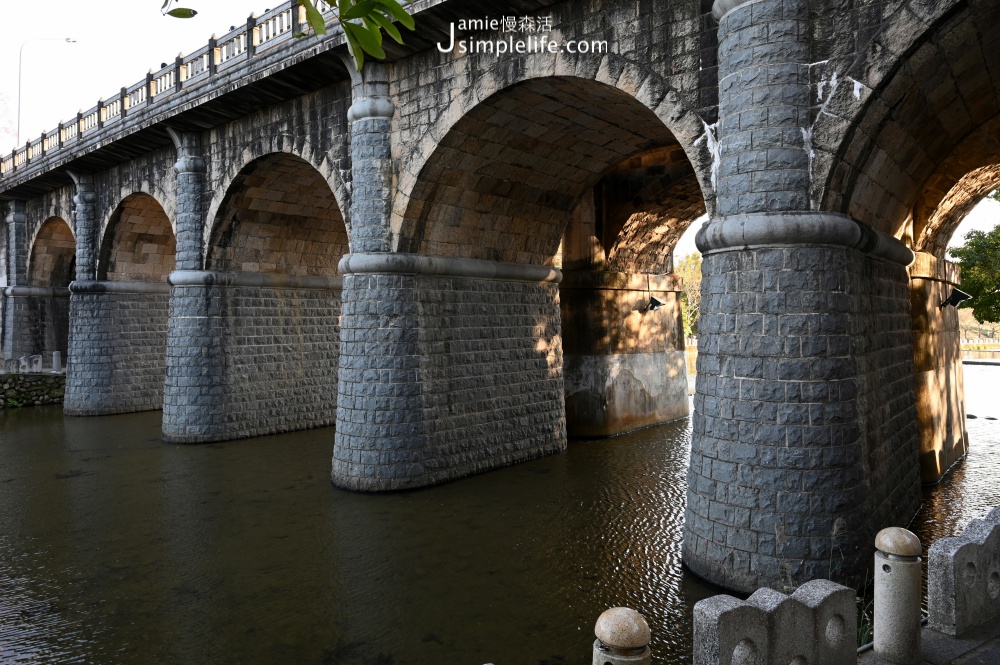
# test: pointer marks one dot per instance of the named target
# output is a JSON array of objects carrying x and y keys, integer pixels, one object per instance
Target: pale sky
[{"x": 117, "y": 42}]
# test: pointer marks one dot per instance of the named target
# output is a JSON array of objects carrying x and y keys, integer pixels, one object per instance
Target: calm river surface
[{"x": 117, "y": 548}]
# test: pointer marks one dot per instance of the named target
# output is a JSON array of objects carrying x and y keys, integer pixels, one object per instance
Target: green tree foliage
[
  {"x": 980, "y": 259},
  {"x": 689, "y": 269},
  {"x": 363, "y": 22},
  {"x": 995, "y": 195}
]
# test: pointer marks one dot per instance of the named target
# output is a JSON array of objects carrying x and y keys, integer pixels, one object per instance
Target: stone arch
[
  {"x": 52, "y": 259},
  {"x": 908, "y": 109},
  {"x": 504, "y": 180},
  {"x": 274, "y": 145},
  {"x": 278, "y": 216},
  {"x": 152, "y": 191},
  {"x": 138, "y": 243},
  {"x": 629, "y": 79}
]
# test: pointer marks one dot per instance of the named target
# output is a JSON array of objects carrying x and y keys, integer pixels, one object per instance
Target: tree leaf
[
  {"x": 388, "y": 26},
  {"x": 365, "y": 39},
  {"x": 373, "y": 29},
  {"x": 396, "y": 11},
  {"x": 356, "y": 52},
  {"x": 182, "y": 12},
  {"x": 166, "y": 3},
  {"x": 314, "y": 17},
  {"x": 360, "y": 9}
]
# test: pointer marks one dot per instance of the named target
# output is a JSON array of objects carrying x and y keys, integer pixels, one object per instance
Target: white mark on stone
[
  {"x": 819, "y": 88},
  {"x": 712, "y": 143},
  {"x": 858, "y": 85}
]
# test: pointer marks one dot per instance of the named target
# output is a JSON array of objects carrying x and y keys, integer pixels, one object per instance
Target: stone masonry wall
[
  {"x": 472, "y": 381},
  {"x": 39, "y": 325},
  {"x": 804, "y": 415},
  {"x": 18, "y": 390},
  {"x": 118, "y": 354},
  {"x": 269, "y": 361}
]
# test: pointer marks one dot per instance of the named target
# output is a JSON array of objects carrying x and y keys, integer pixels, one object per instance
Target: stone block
[
  {"x": 963, "y": 578},
  {"x": 815, "y": 625}
]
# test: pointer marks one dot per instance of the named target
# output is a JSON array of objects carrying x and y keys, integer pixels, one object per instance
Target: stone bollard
[
  {"x": 622, "y": 638},
  {"x": 897, "y": 596},
  {"x": 56, "y": 362}
]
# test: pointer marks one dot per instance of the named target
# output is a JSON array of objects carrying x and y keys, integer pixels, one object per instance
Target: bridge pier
[
  {"x": 937, "y": 356},
  {"x": 804, "y": 438}
]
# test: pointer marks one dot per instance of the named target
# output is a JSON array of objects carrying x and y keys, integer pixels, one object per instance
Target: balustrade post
[
  {"x": 178, "y": 72},
  {"x": 79, "y": 125},
  {"x": 213, "y": 55},
  {"x": 293, "y": 5},
  {"x": 150, "y": 87},
  {"x": 124, "y": 97},
  {"x": 251, "y": 35},
  {"x": 61, "y": 132},
  {"x": 100, "y": 113}
]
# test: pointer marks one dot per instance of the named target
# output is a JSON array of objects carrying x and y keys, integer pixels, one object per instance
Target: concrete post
[
  {"x": 622, "y": 638},
  {"x": 897, "y": 596}
]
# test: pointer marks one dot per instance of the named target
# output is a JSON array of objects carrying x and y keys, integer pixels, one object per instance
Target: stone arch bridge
[{"x": 451, "y": 256}]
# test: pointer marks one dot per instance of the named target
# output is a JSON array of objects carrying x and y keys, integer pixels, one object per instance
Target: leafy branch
[{"x": 363, "y": 22}]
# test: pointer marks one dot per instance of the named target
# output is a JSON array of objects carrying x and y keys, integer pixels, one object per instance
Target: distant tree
[
  {"x": 980, "y": 259},
  {"x": 375, "y": 16},
  {"x": 689, "y": 269},
  {"x": 995, "y": 195}
]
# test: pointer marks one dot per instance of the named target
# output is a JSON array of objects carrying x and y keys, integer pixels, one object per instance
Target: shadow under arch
[
  {"x": 272, "y": 151},
  {"x": 584, "y": 71}
]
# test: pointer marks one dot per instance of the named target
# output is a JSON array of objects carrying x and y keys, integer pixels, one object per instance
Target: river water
[{"x": 117, "y": 548}]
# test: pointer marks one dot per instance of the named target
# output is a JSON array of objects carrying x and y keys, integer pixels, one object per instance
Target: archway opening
[
  {"x": 922, "y": 153},
  {"x": 573, "y": 173},
  {"x": 43, "y": 317},
  {"x": 138, "y": 244},
  {"x": 276, "y": 240}
]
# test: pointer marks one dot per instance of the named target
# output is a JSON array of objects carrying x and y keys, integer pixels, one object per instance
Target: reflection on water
[{"x": 117, "y": 548}]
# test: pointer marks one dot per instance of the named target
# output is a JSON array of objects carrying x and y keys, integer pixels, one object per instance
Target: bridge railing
[{"x": 259, "y": 34}]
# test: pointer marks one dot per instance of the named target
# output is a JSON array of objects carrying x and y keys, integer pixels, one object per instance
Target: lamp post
[{"x": 20, "y": 60}]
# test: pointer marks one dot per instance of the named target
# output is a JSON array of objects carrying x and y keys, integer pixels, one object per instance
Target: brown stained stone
[{"x": 622, "y": 628}]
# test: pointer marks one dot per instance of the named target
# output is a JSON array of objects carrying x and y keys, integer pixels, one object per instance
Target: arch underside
[
  {"x": 279, "y": 217},
  {"x": 52, "y": 261},
  {"x": 504, "y": 182},
  {"x": 928, "y": 142},
  {"x": 139, "y": 243}
]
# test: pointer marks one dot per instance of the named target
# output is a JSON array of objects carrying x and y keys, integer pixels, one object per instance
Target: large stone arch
[
  {"x": 271, "y": 300},
  {"x": 279, "y": 216},
  {"x": 912, "y": 146},
  {"x": 118, "y": 343},
  {"x": 910, "y": 104},
  {"x": 155, "y": 194},
  {"x": 137, "y": 241},
  {"x": 514, "y": 172},
  {"x": 233, "y": 169},
  {"x": 52, "y": 259},
  {"x": 627, "y": 77}
]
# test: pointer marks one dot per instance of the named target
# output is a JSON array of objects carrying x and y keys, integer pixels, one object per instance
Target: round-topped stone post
[
  {"x": 897, "y": 596},
  {"x": 622, "y": 638}
]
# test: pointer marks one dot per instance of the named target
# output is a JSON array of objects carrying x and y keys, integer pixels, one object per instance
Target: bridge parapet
[{"x": 257, "y": 36}]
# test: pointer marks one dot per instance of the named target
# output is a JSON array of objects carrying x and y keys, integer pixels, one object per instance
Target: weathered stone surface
[
  {"x": 963, "y": 578},
  {"x": 622, "y": 628},
  {"x": 898, "y": 542},
  {"x": 816, "y": 625},
  {"x": 17, "y": 390}
]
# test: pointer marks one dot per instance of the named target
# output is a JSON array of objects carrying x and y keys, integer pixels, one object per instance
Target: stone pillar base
[{"x": 448, "y": 367}]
